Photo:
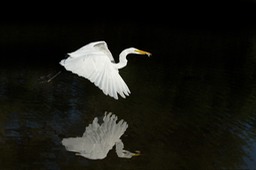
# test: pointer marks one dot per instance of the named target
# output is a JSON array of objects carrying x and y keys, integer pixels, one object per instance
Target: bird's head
[{"x": 138, "y": 51}]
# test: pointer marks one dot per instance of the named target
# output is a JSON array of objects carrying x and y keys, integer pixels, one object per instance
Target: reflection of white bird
[
  {"x": 97, "y": 139},
  {"x": 95, "y": 62}
]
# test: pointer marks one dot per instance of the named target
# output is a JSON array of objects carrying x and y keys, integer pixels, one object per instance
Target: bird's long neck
[{"x": 122, "y": 59}]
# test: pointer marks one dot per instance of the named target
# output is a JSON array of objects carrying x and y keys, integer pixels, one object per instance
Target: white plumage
[
  {"x": 95, "y": 62},
  {"x": 98, "y": 139}
]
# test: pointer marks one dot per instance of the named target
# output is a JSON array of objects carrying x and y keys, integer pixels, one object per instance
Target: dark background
[
  {"x": 43, "y": 33},
  {"x": 192, "y": 104}
]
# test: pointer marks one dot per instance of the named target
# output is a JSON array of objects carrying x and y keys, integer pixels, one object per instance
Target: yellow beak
[
  {"x": 143, "y": 52},
  {"x": 136, "y": 154}
]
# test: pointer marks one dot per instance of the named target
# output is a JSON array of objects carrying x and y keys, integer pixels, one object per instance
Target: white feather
[
  {"x": 95, "y": 62},
  {"x": 97, "y": 139}
]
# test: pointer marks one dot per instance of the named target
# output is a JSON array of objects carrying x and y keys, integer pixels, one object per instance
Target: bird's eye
[{"x": 125, "y": 152}]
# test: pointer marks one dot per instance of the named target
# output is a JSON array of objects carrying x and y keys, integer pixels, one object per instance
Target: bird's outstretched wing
[
  {"x": 108, "y": 133},
  {"x": 94, "y": 63},
  {"x": 113, "y": 129},
  {"x": 102, "y": 46}
]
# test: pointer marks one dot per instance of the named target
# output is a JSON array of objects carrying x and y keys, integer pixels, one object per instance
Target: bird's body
[
  {"x": 98, "y": 140},
  {"x": 95, "y": 62}
]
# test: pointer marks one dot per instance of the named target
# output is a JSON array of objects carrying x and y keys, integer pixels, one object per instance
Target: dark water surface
[{"x": 192, "y": 104}]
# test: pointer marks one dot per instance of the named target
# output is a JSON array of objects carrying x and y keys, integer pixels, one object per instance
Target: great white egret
[
  {"x": 95, "y": 62},
  {"x": 98, "y": 139}
]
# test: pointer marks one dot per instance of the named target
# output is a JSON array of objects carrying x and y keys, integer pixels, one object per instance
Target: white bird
[
  {"x": 98, "y": 140},
  {"x": 95, "y": 62}
]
